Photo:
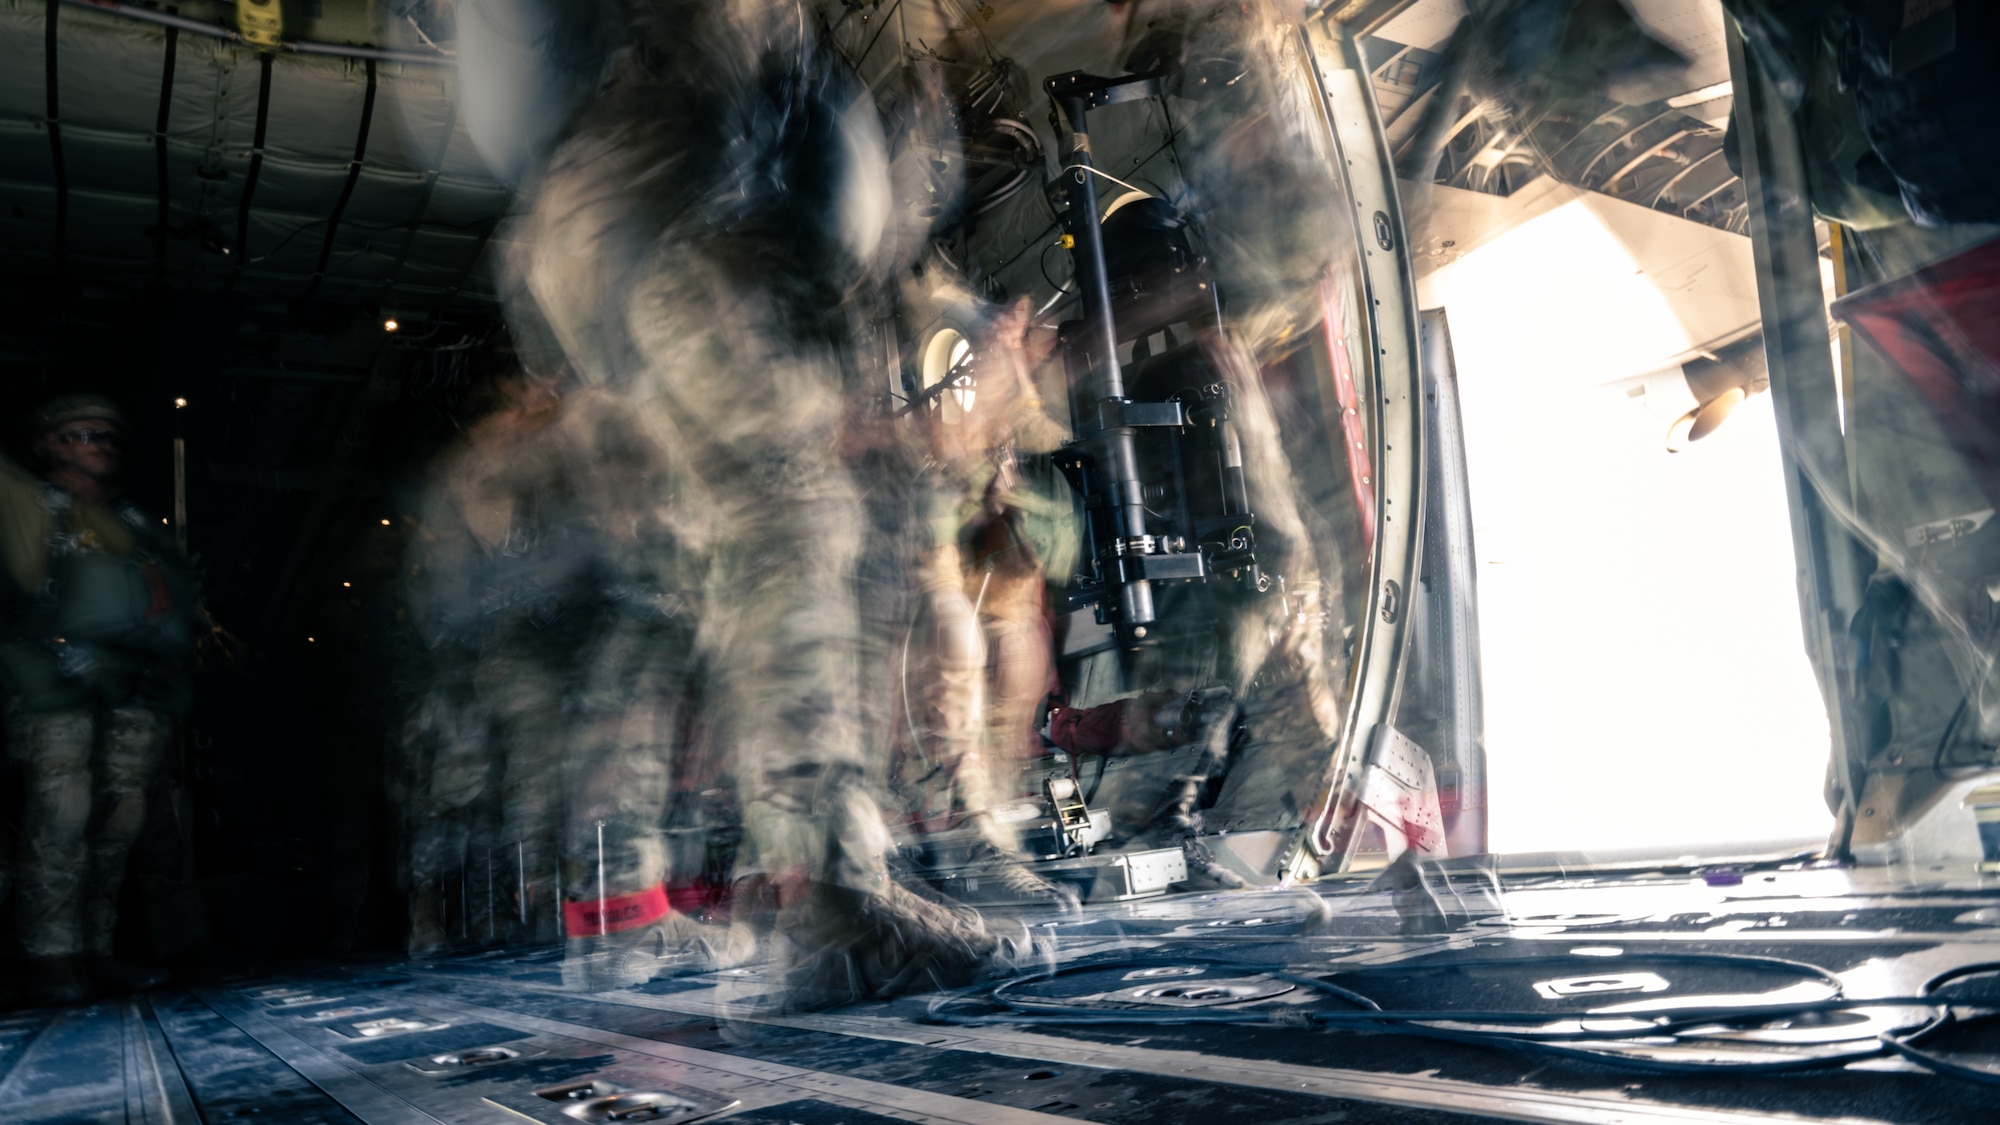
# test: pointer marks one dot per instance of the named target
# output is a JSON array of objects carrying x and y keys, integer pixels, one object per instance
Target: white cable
[{"x": 1108, "y": 176}]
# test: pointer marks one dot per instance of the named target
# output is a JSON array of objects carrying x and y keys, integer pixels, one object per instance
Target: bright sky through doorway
[{"x": 1646, "y": 681}]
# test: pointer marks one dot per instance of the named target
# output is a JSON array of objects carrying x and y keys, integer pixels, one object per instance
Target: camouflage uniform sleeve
[
  {"x": 1035, "y": 431},
  {"x": 24, "y": 529}
]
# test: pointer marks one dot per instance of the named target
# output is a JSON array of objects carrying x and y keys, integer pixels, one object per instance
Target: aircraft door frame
[{"x": 1386, "y": 283}]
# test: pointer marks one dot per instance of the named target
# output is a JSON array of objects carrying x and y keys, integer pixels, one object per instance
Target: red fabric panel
[{"x": 624, "y": 912}]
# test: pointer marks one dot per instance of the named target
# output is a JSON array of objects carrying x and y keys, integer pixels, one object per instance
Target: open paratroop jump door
[{"x": 1254, "y": 523}]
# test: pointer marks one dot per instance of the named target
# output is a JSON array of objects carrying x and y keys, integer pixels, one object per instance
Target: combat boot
[
  {"x": 115, "y": 974},
  {"x": 848, "y": 946},
  {"x": 674, "y": 945},
  {"x": 427, "y": 934},
  {"x": 1017, "y": 884},
  {"x": 1179, "y": 823},
  {"x": 1205, "y": 873},
  {"x": 57, "y": 980}
]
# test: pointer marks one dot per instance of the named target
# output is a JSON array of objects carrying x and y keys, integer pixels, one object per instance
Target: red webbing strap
[
  {"x": 624, "y": 912},
  {"x": 1089, "y": 730}
]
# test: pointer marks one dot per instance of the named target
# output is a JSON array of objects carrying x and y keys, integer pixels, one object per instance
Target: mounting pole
[
  {"x": 1116, "y": 445},
  {"x": 180, "y": 495}
]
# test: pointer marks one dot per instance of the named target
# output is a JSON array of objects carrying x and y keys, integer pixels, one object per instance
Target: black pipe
[
  {"x": 1117, "y": 445},
  {"x": 471, "y": 264},
  {"x": 55, "y": 134},
  {"x": 424, "y": 202},
  {"x": 346, "y": 189},
  {"x": 160, "y": 153},
  {"x": 256, "y": 168},
  {"x": 1089, "y": 235}
]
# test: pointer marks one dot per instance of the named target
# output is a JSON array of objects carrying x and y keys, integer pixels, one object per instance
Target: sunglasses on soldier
[{"x": 85, "y": 437}]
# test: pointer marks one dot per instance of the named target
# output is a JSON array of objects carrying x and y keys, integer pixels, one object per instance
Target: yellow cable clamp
[{"x": 260, "y": 22}]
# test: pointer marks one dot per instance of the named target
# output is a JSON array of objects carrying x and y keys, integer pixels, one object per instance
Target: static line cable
[
  {"x": 1904, "y": 1044},
  {"x": 1055, "y": 300},
  {"x": 1106, "y": 175},
  {"x": 1368, "y": 1015},
  {"x": 1447, "y": 964}
]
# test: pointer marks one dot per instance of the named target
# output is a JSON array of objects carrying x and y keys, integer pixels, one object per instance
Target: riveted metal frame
[
  {"x": 1386, "y": 285},
  {"x": 1831, "y": 565}
]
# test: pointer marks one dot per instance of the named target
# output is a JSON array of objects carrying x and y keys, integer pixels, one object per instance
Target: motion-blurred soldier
[
  {"x": 984, "y": 597},
  {"x": 100, "y": 617},
  {"x": 511, "y": 594},
  {"x": 711, "y": 300},
  {"x": 636, "y": 702}
]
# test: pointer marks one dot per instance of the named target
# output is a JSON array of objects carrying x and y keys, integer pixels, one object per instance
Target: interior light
[
  {"x": 163, "y": 519},
  {"x": 390, "y": 325},
  {"x": 309, "y": 640},
  {"x": 347, "y": 585},
  {"x": 180, "y": 404},
  {"x": 385, "y": 523}
]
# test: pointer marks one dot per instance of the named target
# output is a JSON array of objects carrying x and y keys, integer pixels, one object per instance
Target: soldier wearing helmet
[{"x": 98, "y": 617}]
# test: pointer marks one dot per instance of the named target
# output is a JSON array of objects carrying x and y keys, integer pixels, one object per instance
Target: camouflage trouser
[
  {"x": 984, "y": 674},
  {"x": 86, "y": 779},
  {"x": 948, "y": 770},
  {"x": 450, "y": 740},
  {"x": 524, "y": 701},
  {"x": 616, "y": 777},
  {"x": 488, "y": 802},
  {"x": 736, "y": 374},
  {"x": 1018, "y": 643},
  {"x": 781, "y": 522}
]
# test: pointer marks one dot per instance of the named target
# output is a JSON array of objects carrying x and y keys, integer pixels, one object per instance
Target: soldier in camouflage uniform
[
  {"x": 513, "y": 595},
  {"x": 691, "y": 247},
  {"x": 93, "y": 685},
  {"x": 988, "y": 641}
]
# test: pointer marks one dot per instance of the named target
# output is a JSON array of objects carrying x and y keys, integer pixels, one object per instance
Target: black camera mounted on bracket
[{"x": 1161, "y": 482}]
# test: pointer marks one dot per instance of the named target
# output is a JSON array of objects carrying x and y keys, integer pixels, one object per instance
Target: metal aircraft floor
[{"x": 492, "y": 1037}]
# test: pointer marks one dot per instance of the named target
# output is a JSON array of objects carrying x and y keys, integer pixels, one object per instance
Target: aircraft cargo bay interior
[{"x": 1135, "y": 561}]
